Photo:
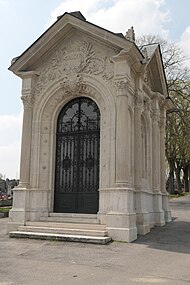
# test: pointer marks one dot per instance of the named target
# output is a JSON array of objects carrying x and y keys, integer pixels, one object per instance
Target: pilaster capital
[
  {"x": 27, "y": 100},
  {"x": 146, "y": 104},
  {"x": 28, "y": 87},
  {"x": 121, "y": 86},
  {"x": 155, "y": 116},
  {"x": 138, "y": 101}
]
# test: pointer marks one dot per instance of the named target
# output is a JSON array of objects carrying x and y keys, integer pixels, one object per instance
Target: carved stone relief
[
  {"x": 121, "y": 84},
  {"x": 146, "y": 104},
  {"x": 73, "y": 85},
  {"x": 73, "y": 57},
  {"x": 28, "y": 100},
  {"x": 147, "y": 77},
  {"x": 154, "y": 114},
  {"x": 138, "y": 101}
]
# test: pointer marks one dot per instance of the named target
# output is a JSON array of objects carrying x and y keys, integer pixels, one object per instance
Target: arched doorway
[{"x": 77, "y": 157}]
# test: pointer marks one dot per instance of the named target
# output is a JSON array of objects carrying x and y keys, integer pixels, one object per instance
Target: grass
[
  {"x": 179, "y": 195},
  {"x": 5, "y": 209}
]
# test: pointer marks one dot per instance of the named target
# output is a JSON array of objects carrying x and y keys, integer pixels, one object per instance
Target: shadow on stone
[{"x": 174, "y": 237}]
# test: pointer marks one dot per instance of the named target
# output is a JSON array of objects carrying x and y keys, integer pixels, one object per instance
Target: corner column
[
  {"x": 165, "y": 195},
  {"x": 28, "y": 100},
  {"x": 121, "y": 219},
  {"x": 138, "y": 105},
  {"x": 21, "y": 193},
  {"x": 159, "y": 219},
  {"x": 142, "y": 215},
  {"x": 122, "y": 172}
]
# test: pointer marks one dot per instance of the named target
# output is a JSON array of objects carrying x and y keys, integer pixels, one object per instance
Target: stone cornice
[
  {"x": 28, "y": 74},
  {"x": 132, "y": 55}
]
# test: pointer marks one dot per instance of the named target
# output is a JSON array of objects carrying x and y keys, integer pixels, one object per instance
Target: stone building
[{"x": 93, "y": 130}]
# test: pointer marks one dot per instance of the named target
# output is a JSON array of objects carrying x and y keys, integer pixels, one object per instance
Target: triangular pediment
[
  {"x": 76, "y": 53},
  {"x": 154, "y": 69},
  {"x": 66, "y": 25}
]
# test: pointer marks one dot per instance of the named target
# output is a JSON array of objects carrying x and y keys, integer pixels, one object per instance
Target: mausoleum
[{"x": 93, "y": 133}]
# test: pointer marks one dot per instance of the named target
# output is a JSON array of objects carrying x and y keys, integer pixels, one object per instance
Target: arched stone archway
[{"x": 77, "y": 157}]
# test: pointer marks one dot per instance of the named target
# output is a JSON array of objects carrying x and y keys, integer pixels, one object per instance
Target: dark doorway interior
[{"x": 77, "y": 157}]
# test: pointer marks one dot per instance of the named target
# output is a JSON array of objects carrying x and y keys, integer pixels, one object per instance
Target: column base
[
  {"x": 143, "y": 223},
  {"x": 29, "y": 205},
  {"x": 168, "y": 216},
  {"x": 18, "y": 212},
  {"x": 123, "y": 234},
  {"x": 122, "y": 226},
  {"x": 165, "y": 206},
  {"x": 159, "y": 218}
]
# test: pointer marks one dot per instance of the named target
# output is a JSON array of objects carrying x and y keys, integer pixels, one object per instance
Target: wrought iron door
[{"x": 77, "y": 157}]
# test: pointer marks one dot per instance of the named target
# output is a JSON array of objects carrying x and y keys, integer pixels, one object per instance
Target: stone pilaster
[
  {"x": 27, "y": 99},
  {"x": 165, "y": 196},
  {"x": 155, "y": 151},
  {"x": 162, "y": 153},
  {"x": 122, "y": 171},
  {"x": 121, "y": 218},
  {"x": 158, "y": 218},
  {"x": 21, "y": 193},
  {"x": 142, "y": 215},
  {"x": 137, "y": 142}
]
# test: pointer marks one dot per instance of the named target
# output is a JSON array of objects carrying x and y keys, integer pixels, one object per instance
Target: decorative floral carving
[
  {"x": 147, "y": 77},
  {"x": 28, "y": 100},
  {"x": 162, "y": 123},
  {"x": 138, "y": 100},
  {"x": 121, "y": 87},
  {"x": 155, "y": 116},
  {"x": 147, "y": 104},
  {"x": 71, "y": 59},
  {"x": 121, "y": 84}
]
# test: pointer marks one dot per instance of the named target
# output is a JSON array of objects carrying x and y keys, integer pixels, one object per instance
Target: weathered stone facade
[{"x": 75, "y": 59}]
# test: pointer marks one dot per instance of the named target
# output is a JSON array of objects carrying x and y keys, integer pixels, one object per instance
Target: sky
[{"x": 22, "y": 22}]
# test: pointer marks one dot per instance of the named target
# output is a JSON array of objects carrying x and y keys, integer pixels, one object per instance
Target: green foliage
[{"x": 5, "y": 209}]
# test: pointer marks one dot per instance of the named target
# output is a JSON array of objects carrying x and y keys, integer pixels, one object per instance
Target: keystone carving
[{"x": 74, "y": 85}]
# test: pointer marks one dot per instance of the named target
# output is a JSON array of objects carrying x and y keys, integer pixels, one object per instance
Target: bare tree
[{"x": 178, "y": 119}]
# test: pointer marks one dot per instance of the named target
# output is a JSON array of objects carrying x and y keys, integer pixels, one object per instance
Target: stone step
[
  {"x": 71, "y": 218},
  {"x": 67, "y": 225},
  {"x": 65, "y": 230},
  {"x": 60, "y": 237}
]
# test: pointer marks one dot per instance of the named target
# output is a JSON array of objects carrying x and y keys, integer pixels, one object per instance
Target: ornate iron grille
[{"x": 77, "y": 157}]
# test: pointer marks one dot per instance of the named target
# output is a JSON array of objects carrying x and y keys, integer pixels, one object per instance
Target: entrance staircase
[{"x": 65, "y": 227}]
